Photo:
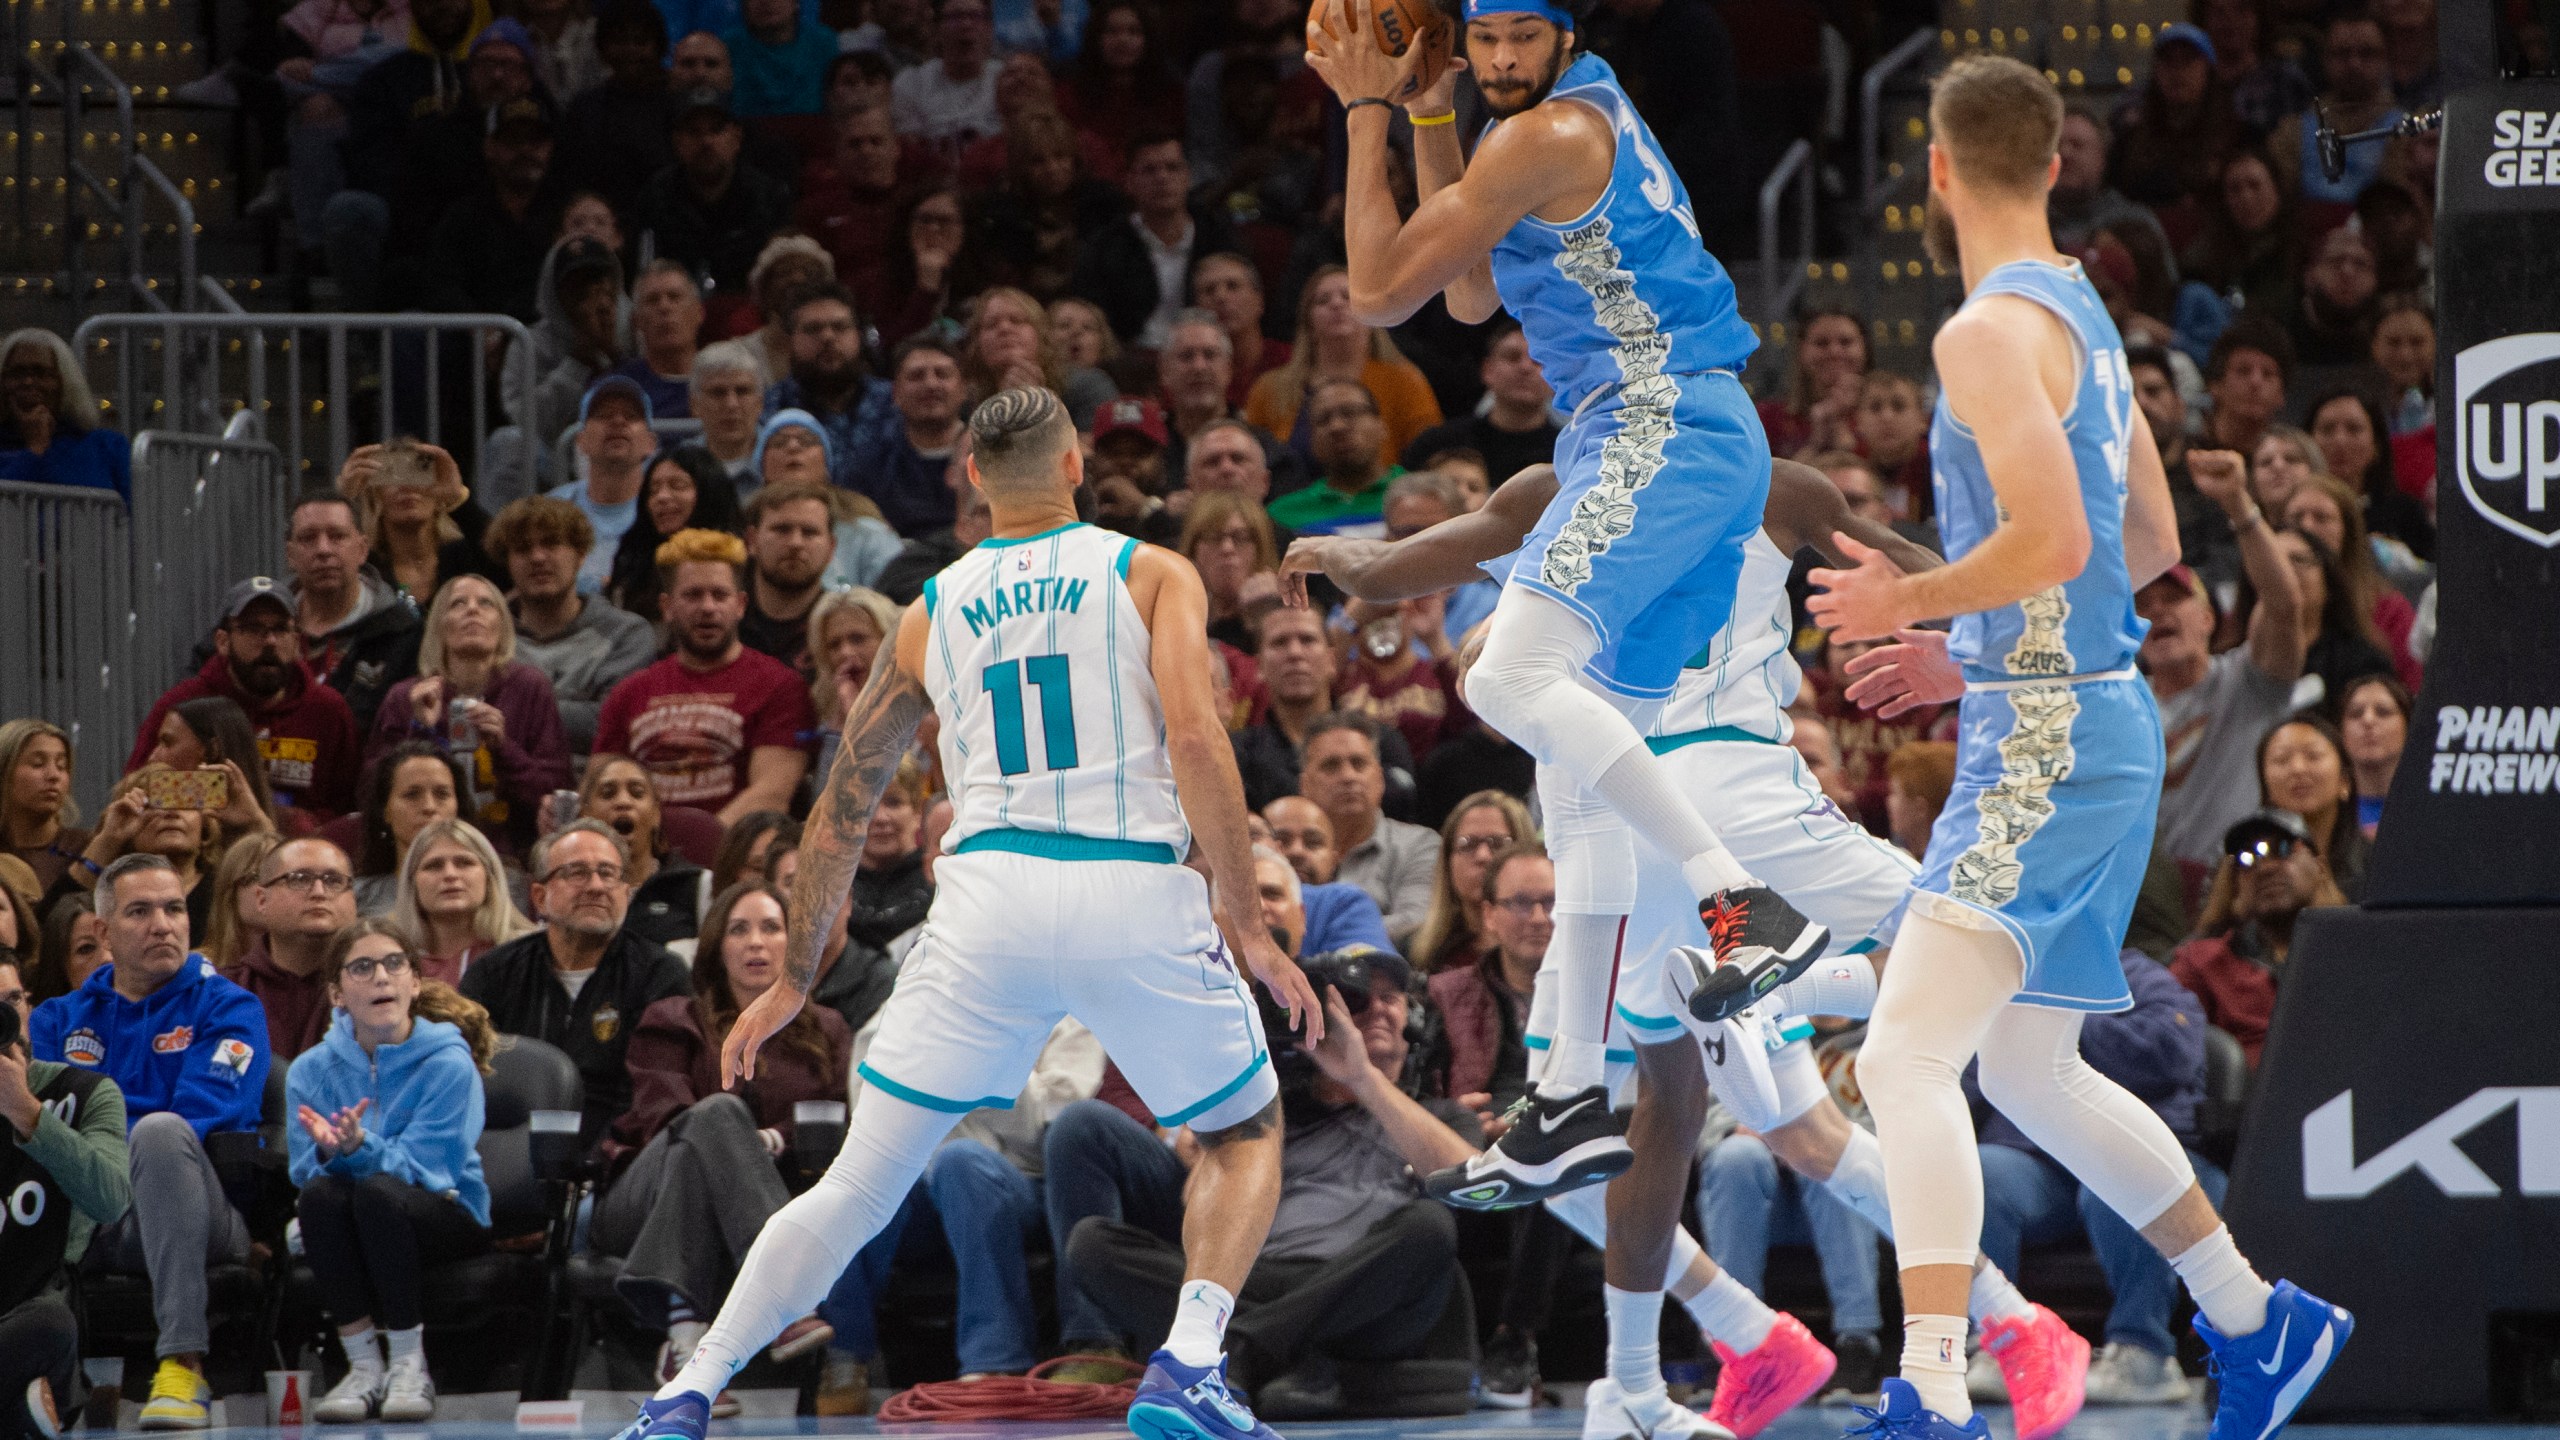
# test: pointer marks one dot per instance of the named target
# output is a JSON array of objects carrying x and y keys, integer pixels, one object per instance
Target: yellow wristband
[{"x": 1445, "y": 117}]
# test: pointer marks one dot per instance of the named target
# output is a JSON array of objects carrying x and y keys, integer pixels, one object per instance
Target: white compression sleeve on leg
[
  {"x": 1595, "y": 860},
  {"x": 1857, "y": 1180},
  {"x": 1946, "y": 985},
  {"x": 2111, "y": 1142},
  {"x": 1528, "y": 685},
  {"x": 808, "y": 1242}
]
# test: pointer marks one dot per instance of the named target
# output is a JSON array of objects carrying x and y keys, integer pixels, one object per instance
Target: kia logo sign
[
  {"x": 2330, "y": 1170},
  {"x": 2507, "y": 434}
]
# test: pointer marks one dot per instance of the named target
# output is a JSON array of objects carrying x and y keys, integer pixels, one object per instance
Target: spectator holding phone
[
  {"x": 386, "y": 1115},
  {"x": 206, "y": 732},
  {"x": 494, "y": 712},
  {"x": 189, "y": 1050},
  {"x": 453, "y": 899},
  {"x": 183, "y": 832},
  {"x": 65, "y": 1139},
  {"x": 305, "y": 730}
]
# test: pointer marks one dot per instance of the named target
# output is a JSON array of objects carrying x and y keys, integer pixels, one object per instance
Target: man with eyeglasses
[
  {"x": 306, "y": 732},
  {"x": 305, "y": 894},
  {"x": 189, "y": 1051},
  {"x": 579, "y": 982},
  {"x": 2237, "y": 958}
]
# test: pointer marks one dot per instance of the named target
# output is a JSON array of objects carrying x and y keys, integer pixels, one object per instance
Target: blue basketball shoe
[
  {"x": 683, "y": 1418},
  {"x": 1903, "y": 1417},
  {"x": 1187, "y": 1402},
  {"x": 2264, "y": 1376}
]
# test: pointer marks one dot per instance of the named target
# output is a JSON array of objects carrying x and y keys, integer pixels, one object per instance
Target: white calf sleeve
[
  {"x": 1529, "y": 685},
  {"x": 2111, "y": 1142},
  {"x": 808, "y": 1242},
  {"x": 1946, "y": 985},
  {"x": 1595, "y": 861}
]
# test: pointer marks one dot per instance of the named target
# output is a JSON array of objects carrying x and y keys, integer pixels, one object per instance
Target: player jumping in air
[
  {"x": 1568, "y": 216},
  {"x": 2055, "y": 510},
  {"x": 1070, "y": 669}
]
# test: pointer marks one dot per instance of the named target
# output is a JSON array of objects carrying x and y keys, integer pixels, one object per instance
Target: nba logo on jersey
[{"x": 1022, "y": 562}]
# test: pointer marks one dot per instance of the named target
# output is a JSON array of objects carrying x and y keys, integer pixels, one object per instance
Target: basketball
[{"x": 1395, "y": 24}]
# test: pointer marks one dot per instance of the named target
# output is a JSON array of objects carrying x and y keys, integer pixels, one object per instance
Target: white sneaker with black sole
[
  {"x": 1554, "y": 1146},
  {"x": 2131, "y": 1375},
  {"x": 1757, "y": 942},
  {"x": 1606, "y": 1416}
]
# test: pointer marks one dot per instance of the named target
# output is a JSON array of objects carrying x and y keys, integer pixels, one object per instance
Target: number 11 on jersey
[{"x": 1049, "y": 675}]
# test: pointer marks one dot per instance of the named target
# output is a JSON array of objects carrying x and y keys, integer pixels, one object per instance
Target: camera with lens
[{"x": 1349, "y": 972}]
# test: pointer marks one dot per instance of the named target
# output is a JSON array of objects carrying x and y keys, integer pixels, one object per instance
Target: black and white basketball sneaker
[
  {"x": 1554, "y": 1146},
  {"x": 1758, "y": 943}
]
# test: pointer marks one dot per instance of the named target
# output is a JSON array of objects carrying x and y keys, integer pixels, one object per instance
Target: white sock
[
  {"x": 1573, "y": 1066},
  {"x": 407, "y": 1346},
  {"x": 1729, "y": 1312},
  {"x": 1933, "y": 1361},
  {"x": 364, "y": 1352},
  {"x": 1635, "y": 1338},
  {"x": 1843, "y": 985},
  {"x": 1994, "y": 1297},
  {"x": 1200, "y": 1323},
  {"x": 2228, "y": 1292},
  {"x": 686, "y": 1335}
]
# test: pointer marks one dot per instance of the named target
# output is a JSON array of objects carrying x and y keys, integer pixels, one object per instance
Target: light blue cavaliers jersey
[
  {"x": 1038, "y": 665},
  {"x": 1625, "y": 292},
  {"x": 2085, "y": 625}
]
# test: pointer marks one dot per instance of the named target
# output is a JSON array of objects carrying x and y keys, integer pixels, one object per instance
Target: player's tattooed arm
[{"x": 879, "y": 730}]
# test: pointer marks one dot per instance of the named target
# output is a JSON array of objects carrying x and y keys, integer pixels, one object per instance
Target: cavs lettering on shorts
[
  {"x": 83, "y": 1047},
  {"x": 605, "y": 1023},
  {"x": 173, "y": 1042},
  {"x": 231, "y": 1059},
  {"x": 292, "y": 760}
]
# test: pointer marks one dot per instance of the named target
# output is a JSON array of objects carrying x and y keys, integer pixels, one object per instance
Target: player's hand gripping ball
[{"x": 1394, "y": 27}]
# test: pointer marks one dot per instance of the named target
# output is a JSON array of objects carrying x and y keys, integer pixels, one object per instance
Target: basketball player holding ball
[{"x": 1568, "y": 216}]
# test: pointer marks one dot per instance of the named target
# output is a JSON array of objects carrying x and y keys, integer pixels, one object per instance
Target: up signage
[{"x": 2507, "y": 454}]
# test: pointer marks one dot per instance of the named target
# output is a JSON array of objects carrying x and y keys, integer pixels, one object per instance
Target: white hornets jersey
[
  {"x": 1746, "y": 677},
  {"x": 1052, "y": 732}
]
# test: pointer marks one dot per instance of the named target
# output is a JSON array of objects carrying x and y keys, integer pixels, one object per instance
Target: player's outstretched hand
[
  {"x": 760, "y": 1021},
  {"x": 1340, "y": 558},
  {"x": 1287, "y": 983},
  {"x": 1912, "y": 672},
  {"x": 1865, "y": 603}
]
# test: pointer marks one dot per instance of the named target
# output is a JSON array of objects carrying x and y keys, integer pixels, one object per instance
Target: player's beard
[
  {"x": 1509, "y": 99},
  {"x": 1938, "y": 237}
]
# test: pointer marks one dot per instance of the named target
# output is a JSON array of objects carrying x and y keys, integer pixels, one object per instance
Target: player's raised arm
[
  {"x": 1529, "y": 162},
  {"x": 1982, "y": 354},
  {"x": 1438, "y": 161},
  {"x": 878, "y": 731},
  {"x": 1442, "y": 557},
  {"x": 1170, "y": 598}
]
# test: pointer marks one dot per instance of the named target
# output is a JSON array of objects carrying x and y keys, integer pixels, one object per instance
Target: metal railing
[
  {"x": 66, "y": 568},
  {"x": 126, "y": 195},
  {"x": 210, "y": 368},
  {"x": 1873, "y": 192},
  {"x": 207, "y": 514},
  {"x": 1782, "y": 276}
]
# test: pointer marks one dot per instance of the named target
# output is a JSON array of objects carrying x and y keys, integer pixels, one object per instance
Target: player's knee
[{"x": 1893, "y": 1070}]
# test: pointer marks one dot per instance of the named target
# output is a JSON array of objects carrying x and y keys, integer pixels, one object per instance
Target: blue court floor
[{"x": 1803, "y": 1424}]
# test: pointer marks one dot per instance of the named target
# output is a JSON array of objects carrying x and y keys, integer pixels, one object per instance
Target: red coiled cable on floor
[{"x": 1018, "y": 1397}]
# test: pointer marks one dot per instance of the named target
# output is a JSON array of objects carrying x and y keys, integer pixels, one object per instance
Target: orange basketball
[{"x": 1395, "y": 24}]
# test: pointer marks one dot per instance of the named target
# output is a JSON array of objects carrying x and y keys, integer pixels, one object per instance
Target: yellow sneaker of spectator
[{"x": 180, "y": 1400}]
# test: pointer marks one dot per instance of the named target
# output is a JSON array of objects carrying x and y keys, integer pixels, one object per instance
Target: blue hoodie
[
  {"x": 196, "y": 1046},
  {"x": 424, "y": 1123}
]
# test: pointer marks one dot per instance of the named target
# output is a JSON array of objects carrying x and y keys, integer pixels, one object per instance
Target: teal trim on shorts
[
  {"x": 1796, "y": 1027},
  {"x": 1864, "y": 947},
  {"x": 914, "y": 1096},
  {"x": 1049, "y": 845},
  {"x": 1646, "y": 1022},
  {"x": 1665, "y": 744},
  {"x": 1620, "y": 1057},
  {"x": 1219, "y": 1097}
]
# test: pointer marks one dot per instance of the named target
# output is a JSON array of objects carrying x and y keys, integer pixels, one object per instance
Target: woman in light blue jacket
[{"x": 387, "y": 1115}]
